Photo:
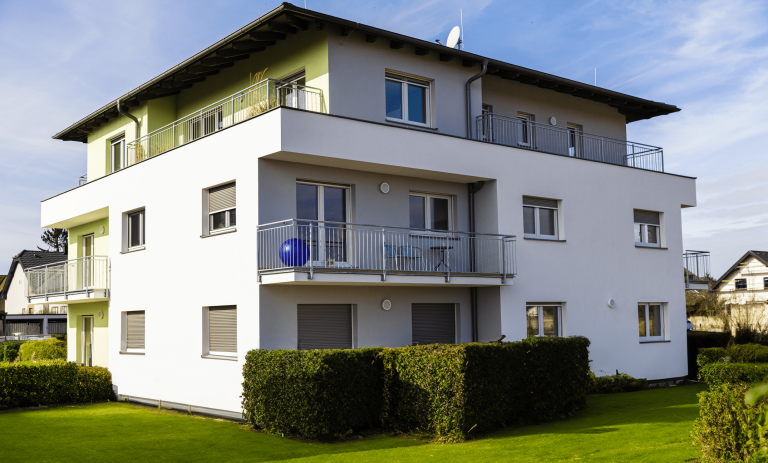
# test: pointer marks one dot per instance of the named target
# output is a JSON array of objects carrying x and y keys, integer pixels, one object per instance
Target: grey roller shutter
[
  {"x": 222, "y": 197},
  {"x": 324, "y": 326},
  {"x": 539, "y": 202},
  {"x": 647, "y": 217},
  {"x": 433, "y": 323},
  {"x": 135, "y": 332},
  {"x": 222, "y": 329}
]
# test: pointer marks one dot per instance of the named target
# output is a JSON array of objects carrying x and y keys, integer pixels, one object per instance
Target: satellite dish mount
[{"x": 454, "y": 38}]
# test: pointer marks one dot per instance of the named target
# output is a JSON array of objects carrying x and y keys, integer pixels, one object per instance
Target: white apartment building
[{"x": 365, "y": 189}]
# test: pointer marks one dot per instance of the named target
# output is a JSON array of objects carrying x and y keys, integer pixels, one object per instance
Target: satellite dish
[{"x": 453, "y": 37}]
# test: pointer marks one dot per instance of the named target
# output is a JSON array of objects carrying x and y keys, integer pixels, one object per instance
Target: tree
[{"x": 56, "y": 239}]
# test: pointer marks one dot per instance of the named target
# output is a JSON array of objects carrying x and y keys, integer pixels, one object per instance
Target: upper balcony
[
  {"x": 85, "y": 279},
  {"x": 315, "y": 252},
  {"x": 696, "y": 270},
  {"x": 567, "y": 141}
]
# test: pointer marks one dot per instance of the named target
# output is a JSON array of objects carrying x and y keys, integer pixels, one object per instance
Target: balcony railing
[
  {"x": 335, "y": 247},
  {"x": 245, "y": 104},
  {"x": 526, "y": 134},
  {"x": 696, "y": 269},
  {"x": 82, "y": 180},
  {"x": 83, "y": 275}
]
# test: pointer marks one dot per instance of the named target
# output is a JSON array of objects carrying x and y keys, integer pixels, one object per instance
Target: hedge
[
  {"x": 24, "y": 384},
  {"x": 716, "y": 374},
  {"x": 47, "y": 349},
  {"x": 442, "y": 389},
  {"x": 747, "y": 353},
  {"x": 611, "y": 384},
  {"x": 9, "y": 350},
  {"x": 702, "y": 339}
]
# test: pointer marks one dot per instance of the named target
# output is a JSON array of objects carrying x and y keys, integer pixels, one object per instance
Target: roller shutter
[
  {"x": 324, "y": 326},
  {"x": 647, "y": 217},
  {"x": 222, "y": 329},
  {"x": 135, "y": 332},
  {"x": 539, "y": 202},
  {"x": 222, "y": 197},
  {"x": 433, "y": 323}
]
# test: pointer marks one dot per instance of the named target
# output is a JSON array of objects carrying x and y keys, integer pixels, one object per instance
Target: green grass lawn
[{"x": 650, "y": 426}]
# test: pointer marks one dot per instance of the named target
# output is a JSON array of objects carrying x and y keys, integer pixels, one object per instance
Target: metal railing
[
  {"x": 526, "y": 134},
  {"x": 696, "y": 268},
  {"x": 83, "y": 275},
  {"x": 245, "y": 104},
  {"x": 337, "y": 247}
]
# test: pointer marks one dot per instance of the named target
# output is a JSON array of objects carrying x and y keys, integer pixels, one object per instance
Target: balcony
[
  {"x": 85, "y": 279},
  {"x": 243, "y": 105},
  {"x": 310, "y": 252},
  {"x": 526, "y": 134},
  {"x": 696, "y": 270}
]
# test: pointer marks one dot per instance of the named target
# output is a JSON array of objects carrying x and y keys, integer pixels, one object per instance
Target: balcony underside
[
  {"x": 300, "y": 276},
  {"x": 73, "y": 297},
  {"x": 697, "y": 285}
]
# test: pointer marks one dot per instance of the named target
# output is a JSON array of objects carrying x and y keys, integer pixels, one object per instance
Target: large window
[
  {"x": 220, "y": 331},
  {"x": 433, "y": 324},
  {"x": 324, "y": 208},
  {"x": 741, "y": 283},
  {"x": 540, "y": 218},
  {"x": 647, "y": 228},
  {"x": 324, "y": 326},
  {"x": 133, "y": 331},
  {"x": 432, "y": 212},
  {"x": 293, "y": 94},
  {"x": 650, "y": 317},
  {"x": 136, "y": 229},
  {"x": 407, "y": 99},
  {"x": 222, "y": 203},
  {"x": 117, "y": 153},
  {"x": 544, "y": 320}
]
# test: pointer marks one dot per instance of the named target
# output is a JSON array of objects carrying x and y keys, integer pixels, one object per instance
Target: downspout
[
  {"x": 126, "y": 114},
  {"x": 469, "y": 96},
  {"x": 473, "y": 188}
]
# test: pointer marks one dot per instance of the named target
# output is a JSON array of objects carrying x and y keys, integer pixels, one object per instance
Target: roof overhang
[{"x": 288, "y": 19}]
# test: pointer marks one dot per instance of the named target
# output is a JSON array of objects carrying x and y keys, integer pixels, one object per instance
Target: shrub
[
  {"x": 715, "y": 374},
  {"x": 701, "y": 339},
  {"x": 47, "y": 349},
  {"x": 9, "y": 350},
  {"x": 748, "y": 353},
  {"x": 46, "y": 382},
  {"x": 620, "y": 382},
  {"x": 319, "y": 394},
  {"x": 710, "y": 355}
]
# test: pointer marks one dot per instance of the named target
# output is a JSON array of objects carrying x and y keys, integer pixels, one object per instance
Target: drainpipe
[
  {"x": 469, "y": 96},
  {"x": 473, "y": 188},
  {"x": 126, "y": 114}
]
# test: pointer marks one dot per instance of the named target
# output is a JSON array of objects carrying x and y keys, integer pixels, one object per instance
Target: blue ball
[{"x": 294, "y": 252}]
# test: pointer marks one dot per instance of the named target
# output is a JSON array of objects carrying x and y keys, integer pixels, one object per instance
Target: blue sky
[{"x": 63, "y": 59}]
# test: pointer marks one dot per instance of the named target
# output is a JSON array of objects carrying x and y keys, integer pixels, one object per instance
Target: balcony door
[
  {"x": 292, "y": 91},
  {"x": 326, "y": 206},
  {"x": 525, "y": 130},
  {"x": 86, "y": 340},
  {"x": 87, "y": 261}
]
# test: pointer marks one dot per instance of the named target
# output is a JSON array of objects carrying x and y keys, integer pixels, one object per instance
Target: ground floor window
[
  {"x": 133, "y": 332},
  {"x": 650, "y": 318},
  {"x": 433, "y": 324},
  {"x": 324, "y": 326},
  {"x": 221, "y": 331},
  {"x": 544, "y": 320}
]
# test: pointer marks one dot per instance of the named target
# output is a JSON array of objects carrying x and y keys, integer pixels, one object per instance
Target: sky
[{"x": 61, "y": 60}]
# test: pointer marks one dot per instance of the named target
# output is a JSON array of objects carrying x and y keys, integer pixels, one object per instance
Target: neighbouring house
[
  {"x": 744, "y": 288},
  {"x": 24, "y": 316},
  {"x": 364, "y": 189}
]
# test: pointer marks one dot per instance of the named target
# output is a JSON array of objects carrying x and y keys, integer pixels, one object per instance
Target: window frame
[
  {"x": 228, "y": 225},
  {"x": 644, "y": 235},
  {"x": 736, "y": 284},
  {"x": 528, "y": 121},
  {"x": 124, "y": 349},
  {"x": 117, "y": 140},
  {"x": 142, "y": 229},
  {"x": 404, "y": 81},
  {"x": 765, "y": 282},
  {"x": 537, "y": 223},
  {"x": 207, "y": 352},
  {"x": 540, "y": 319},
  {"x": 428, "y": 217},
  {"x": 575, "y": 139},
  {"x": 663, "y": 328}
]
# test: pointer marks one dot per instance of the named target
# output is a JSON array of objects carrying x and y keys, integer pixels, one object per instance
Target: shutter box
[
  {"x": 647, "y": 217},
  {"x": 222, "y": 197},
  {"x": 222, "y": 329},
  {"x": 324, "y": 326},
  {"x": 539, "y": 202},
  {"x": 433, "y": 324},
  {"x": 135, "y": 331}
]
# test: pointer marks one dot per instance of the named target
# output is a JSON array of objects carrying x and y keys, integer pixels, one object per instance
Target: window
[
  {"x": 134, "y": 324},
  {"x": 647, "y": 228},
  {"x": 543, "y": 320},
  {"x": 407, "y": 99},
  {"x": 220, "y": 331},
  {"x": 324, "y": 326},
  {"x": 650, "y": 321},
  {"x": 135, "y": 230},
  {"x": 222, "y": 202},
  {"x": 741, "y": 283},
  {"x": 575, "y": 140},
  {"x": 293, "y": 94},
  {"x": 539, "y": 218},
  {"x": 117, "y": 153},
  {"x": 525, "y": 129},
  {"x": 487, "y": 128},
  {"x": 431, "y": 212},
  {"x": 433, "y": 324},
  {"x": 765, "y": 283},
  {"x": 325, "y": 208}
]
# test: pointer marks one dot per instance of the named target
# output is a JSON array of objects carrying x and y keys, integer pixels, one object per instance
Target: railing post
[
  {"x": 448, "y": 259},
  {"x": 383, "y": 255},
  {"x": 258, "y": 254},
  {"x": 311, "y": 259},
  {"x": 268, "y": 95},
  {"x": 46, "y": 282},
  {"x": 503, "y": 261}
]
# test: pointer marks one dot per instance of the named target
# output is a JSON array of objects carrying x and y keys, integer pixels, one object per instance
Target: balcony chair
[{"x": 406, "y": 254}]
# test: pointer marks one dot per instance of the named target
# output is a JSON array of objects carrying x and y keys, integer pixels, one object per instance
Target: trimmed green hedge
[
  {"x": 9, "y": 350},
  {"x": 47, "y": 349},
  {"x": 697, "y": 340},
  {"x": 443, "y": 389},
  {"x": 710, "y": 355},
  {"x": 715, "y": 374},
  {"x": 24, "y": 384},
  {"x": 611, "y": 384}
]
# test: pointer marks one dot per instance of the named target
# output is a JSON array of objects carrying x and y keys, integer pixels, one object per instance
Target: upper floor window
[
  {"x": 647, "y": 228},
  {"x": 525, "y": 129},
  {"x": 222, "y": 202},
  {"x": 292, "y": 92},
  {"x": 430, "y": 212},
  {"x": 209, "y": 121},
  {"x": 135, "y": 229},
  {"x": 117, "y": 153},
  {"x": 765, "y": 283},
  {"x": 540, "y": 218},
  {"x": 741, "y": 283},
  {"x": 575, "y": 140},
  {"x": 407, "y": 99},
  {"x": 650, "y": 321},
  {"x": 544, "y": 320}
]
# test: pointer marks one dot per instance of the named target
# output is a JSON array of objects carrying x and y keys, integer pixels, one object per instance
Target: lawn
[{"x": 650, "y": 426}]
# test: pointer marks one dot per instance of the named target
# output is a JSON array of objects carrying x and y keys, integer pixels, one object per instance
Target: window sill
[
  {"x": 542, "y": 239},
  {"x": 410, "y": 124},
  {"x": 218, "y": 357},
  {"x": 137, "y": 248},
  {"x": 655, "y": 342},
  {"x": 222, "y": 232},
  {"x": 131, "y": 353},
  {"x": 650, "y": 247}
]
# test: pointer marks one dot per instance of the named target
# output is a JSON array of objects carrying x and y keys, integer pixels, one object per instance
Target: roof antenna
[
  {"x": 461, "y": 20},
  {"x": 595, "y": 77}
]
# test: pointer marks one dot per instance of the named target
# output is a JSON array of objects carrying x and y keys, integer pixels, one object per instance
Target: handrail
[{"x": 60, "y": 262}]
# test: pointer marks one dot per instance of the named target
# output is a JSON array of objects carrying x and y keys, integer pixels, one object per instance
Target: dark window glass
[
  {"x": 551, "y": 322},
  {"x": 416, "y": 205},
  {"x": 533, "y": 321},
  {"x": 439, "y": 213},
  {"x": 547, "y": 222},
  {"x": 417, "y": 104},
  {"x": 654, "y": 319},
  {"x": 117, "y": 156},
  {"x": 135, "y": 233},
  {"x": 335, "y": 204},
  {"x": 529, "y": 221},
  {"x": 306, "y": 201},
  {"x": 218, "y": 220},
  {"x": 232, "y": 218},
  {"x": 641, "y": 319},
  {"x": 741, "y": 283},
  {"x": 765, "y": 283},
  {"x": 394, "y": 99}
]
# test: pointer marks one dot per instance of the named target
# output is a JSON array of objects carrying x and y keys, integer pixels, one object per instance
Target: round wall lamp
[
  {"x": 101, "y": 315},
  {"x": 101, "y": 230},
  {"x": 386, "y": 304},
  {"x": 384, "y": 187},
  {"x": 611, "y": 304},
  {"x": 552, "y": 120}
]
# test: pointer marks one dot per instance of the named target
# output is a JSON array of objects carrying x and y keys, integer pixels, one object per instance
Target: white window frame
[
  {"x": 528, "y": 121},
  {"x": 228, "y": 226},
  {"x": 118, "y": 140},
  {"x": 575, "y": 139},
  {"x": 540, "y": 316},
  {"x": 644, "y": 235},
  {"x": 321, "y": 257},
  {"x": 405, "y": 81},
  {"x": 207, "y": 352},
  {"x": 124, "y": 334},
  {"x": 537, "y": 223},
  {"x": 662, "y": 314},
  {"x": 428, "y": 218},
  {"x": 296, "y": 90},
  {"x": 141, "y": 213}
]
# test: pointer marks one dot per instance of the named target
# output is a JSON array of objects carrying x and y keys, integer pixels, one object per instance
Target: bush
[
  {"x": 620, "y": 382},
  {"x": 319, "y": 394},
  {"x": 710, "y": 355},
  {"x": 24, "y": 384},
  {"x": 9, "y": 350},
  {"x": 47, "y": 349},
  {"x": 701, "y": 339},
  {"x": 715, "y": 374},
  {"x": 748, "y": 353}
]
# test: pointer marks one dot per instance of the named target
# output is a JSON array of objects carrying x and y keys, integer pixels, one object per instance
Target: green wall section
[
  {"x": 100, "y": 240},
  {"x": 75, "y": 314}
]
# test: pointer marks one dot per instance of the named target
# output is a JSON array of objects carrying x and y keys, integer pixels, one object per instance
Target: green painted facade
[{"x": 94, "y": 343}]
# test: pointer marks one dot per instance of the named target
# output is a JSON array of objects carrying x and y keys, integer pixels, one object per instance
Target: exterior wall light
[
  {"x": 553, "y": 120},
  {"x": 384, "y": 187},
  {"x": 386, "y": 304},
  {"x": 611, "y": 304}
]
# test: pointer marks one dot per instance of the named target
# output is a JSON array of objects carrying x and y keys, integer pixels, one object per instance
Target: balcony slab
[
  {"x": 95, "y": 295},
  {"x": 357, "y": 279}
]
